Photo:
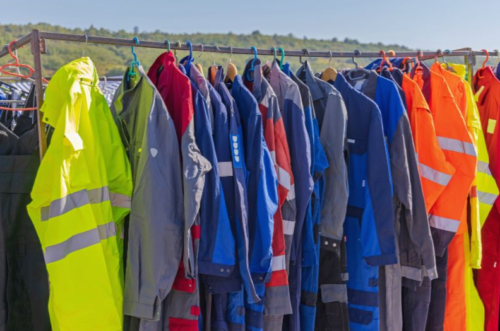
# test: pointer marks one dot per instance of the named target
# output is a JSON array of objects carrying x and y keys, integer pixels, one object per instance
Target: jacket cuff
[
  {"x": 384, "y": 259},
  {"x": 431, "y": 273},
  {"x": 215, "y": 269},
  {"x": 142, "y": 310}
]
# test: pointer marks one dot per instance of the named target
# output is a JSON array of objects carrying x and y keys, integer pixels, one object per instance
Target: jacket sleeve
[
  {"x": 377, "y": 225},
  {"x": 195, "y": 167},
  {"x": 333, "y": 139},
  {"x": 267, "y": 202},
  {"x": 408, "y": 189},
  {"x": 435, "y": 171},
  {"x": 119, "y": 174},
  {"x": 156, "y": 228},
  {"x": 300, "y": 154}
]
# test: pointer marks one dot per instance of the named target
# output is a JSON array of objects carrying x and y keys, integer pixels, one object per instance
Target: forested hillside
[{"x": 111, "y": 60}]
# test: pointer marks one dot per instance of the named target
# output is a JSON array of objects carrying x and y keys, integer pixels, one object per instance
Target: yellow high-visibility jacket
[
  {"x": 80, "y": 198},
  {"x": 484, "y": 192}
]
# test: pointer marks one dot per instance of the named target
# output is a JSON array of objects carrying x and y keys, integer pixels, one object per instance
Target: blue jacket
[
  {"x": 217, "y": 253},
  {"x": 369, "y": 224},
  {"x": 227, "y": 128},
  {"x": 262, "y": 182}
]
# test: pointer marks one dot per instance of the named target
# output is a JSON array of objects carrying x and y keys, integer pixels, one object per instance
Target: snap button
[
  {"x": 334, "y": 244},
  {"x": 326, "y": 242},
  {"x": 221, "y": 270}
]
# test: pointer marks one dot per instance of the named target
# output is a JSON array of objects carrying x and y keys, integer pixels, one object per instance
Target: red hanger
[{"x": 384, "y": 60}]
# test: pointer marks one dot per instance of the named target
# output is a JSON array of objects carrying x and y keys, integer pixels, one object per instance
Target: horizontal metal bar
[
  {"x": 234, "y": 50},
  {"x": 18, "y": 44},
  {"x": 11, "y": 101}
]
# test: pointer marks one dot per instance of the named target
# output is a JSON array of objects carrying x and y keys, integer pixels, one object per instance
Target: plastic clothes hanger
[
  {"x": 252, "y": 68},
  {"x": 232, "y": 71},
  {"x": 385, "y": 60},
  {"x": 198, "y": 65},
  {"x": 306, "y": 53},
  {"x": 85, "y": 46},
  {"x": 134, "y": 63},
  {"x": 484, "y": 62},
  {"x": 329, "y": 74},
  {"x": 17, "y": 65},
  {"x": 358, "y": 69},
  {"x": 190, "y": 57},
  {"x": 282, "y": 60}
]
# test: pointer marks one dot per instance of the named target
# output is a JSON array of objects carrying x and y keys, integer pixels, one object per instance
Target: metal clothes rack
[{"x": 37, "y": 40}]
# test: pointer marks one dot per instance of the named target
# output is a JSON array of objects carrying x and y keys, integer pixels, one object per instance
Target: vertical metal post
[{"x": 35, "y": 50}]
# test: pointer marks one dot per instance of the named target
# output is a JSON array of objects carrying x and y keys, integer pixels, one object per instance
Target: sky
[{"x": 423, "y": 24}]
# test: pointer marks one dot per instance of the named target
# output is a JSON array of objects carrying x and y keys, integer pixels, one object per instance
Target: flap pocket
[
  {"x": 333, "y": 293},
  {"x": 360, "y": 316}
]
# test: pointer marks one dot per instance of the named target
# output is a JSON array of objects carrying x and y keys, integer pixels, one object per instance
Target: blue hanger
[
  {"x": 189, "y": 57},
  {"x": 282, "y": 57},
  {"x": 131, "y": 72},
  {"x": 253, "y": 64}
]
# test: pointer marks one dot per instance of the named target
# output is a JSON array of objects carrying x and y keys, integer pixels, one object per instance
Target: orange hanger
[
  {"x": 484, "y": 63},
  {"x": 384, "y": 60},
  {"x": 17, "y": 65},
  {"x": 487, "y": 57}
]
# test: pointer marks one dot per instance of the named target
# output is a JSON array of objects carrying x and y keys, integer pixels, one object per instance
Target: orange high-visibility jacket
[{"x": 455, "y": 141}]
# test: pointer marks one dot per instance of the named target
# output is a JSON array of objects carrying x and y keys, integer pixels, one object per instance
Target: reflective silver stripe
[
  {"x": 225, "y": 169},
  {"x": 120, "y": 200},
  {"x": 291, "y": 193},
  {"x": 74, "y": 200},
  {"x": 288, "y": 227},
  {"x": 284, "y": 178},
  {"x": 433, "y": 175},
  {"x": 273, "y": 156},
  {"x": 278, "y": 263},
  {"x": 483, "y": 167},
  {"x": 455, "y": 145},
  {"x": 442, "y": 223},
  {"x": 487, "y": 198},
  {"x": 79, "y": 241}
]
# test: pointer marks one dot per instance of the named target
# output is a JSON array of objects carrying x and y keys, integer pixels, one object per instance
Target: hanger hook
[
  {"x": 306, "y": 53},
  {"x": 282, "y": 57},
  {"x": 487, "y": 56},
  {"x": 230, "y": 54},
  {"x": 438, "y": 53},
  {"x": 252, "y": 68},
  {"x": 330, "y": 60},
  {"x": 274, "y": 52},
  {"x": 136, "y": 40},
  {"x": 190, "y": 49},
  {"x": 12, "y": 54},
  {"x": 356, "y": 53},
  {"x": 213, "y": 55},
  {"x": 391, "y": 53},
  {"x": 167, "y": 42},
  {"x": 179, "y": 45},
  {"x": 384, "y": 59},
  {"x": 85, "y": 46},
  {"x": 446, "y": 52},
  {"x": 497, "y": 52},
  {"x": 202, "y": 50}
]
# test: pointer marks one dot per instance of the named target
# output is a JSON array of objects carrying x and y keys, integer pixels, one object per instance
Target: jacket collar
[{"x": 306, "y": 75}]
